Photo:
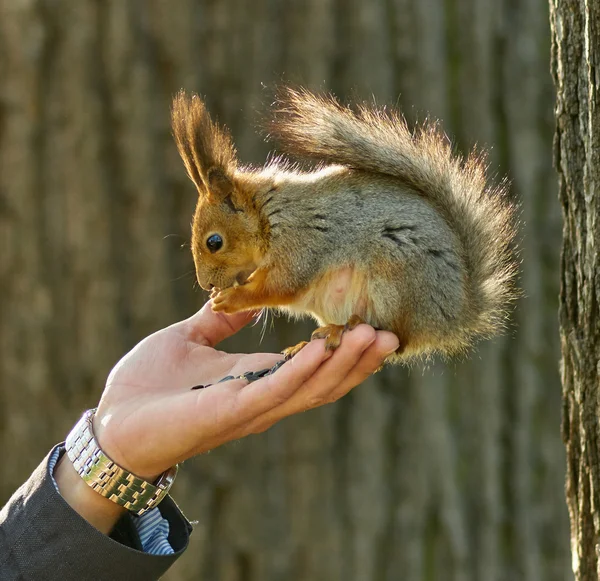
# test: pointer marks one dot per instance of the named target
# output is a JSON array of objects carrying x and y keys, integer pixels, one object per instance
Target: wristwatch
[{"x": 109, "y": 479}]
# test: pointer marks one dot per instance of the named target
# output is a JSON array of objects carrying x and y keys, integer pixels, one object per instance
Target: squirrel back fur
[
  {"x": 390, "y": 226},
  {"x": 321, "y": 129}
]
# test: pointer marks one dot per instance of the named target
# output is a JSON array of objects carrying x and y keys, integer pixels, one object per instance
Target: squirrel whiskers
[{"x": 390, "y": 229}]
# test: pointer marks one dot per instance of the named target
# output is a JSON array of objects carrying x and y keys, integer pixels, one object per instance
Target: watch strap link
[{"x": 107, "y": 478}]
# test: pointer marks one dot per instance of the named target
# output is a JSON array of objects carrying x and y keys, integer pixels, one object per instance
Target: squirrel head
[{"x": 228, "y": 234}]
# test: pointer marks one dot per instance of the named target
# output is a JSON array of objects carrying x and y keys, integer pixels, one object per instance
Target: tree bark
[
  {"x": 444, "y": 472},
  {"x": 576, "y": 71}
]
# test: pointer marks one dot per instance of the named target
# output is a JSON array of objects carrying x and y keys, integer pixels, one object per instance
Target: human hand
[{"x": 149, "y": 419}]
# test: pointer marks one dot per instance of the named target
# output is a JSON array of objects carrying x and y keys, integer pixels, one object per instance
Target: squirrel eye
[{"x": 214, "y": 242}]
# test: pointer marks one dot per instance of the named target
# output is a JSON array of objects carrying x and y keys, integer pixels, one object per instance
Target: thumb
[{"x": 209, "y": 328}]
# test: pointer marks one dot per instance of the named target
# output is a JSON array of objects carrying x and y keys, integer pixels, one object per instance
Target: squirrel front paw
[{"x": 225, "y": 301}]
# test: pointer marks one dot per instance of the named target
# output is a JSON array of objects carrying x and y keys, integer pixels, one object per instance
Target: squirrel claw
[
  {"x": 289, "y": 352},
  {"x": 333, "y": 333}
]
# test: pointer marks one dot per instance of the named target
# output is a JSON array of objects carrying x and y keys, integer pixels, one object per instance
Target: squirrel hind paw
[
  {"x": 331, "y": 333},
  {"x": 289, "y": 352}
]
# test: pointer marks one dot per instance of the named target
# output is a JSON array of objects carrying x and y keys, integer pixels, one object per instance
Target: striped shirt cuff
[{"x": 152, "y": 528}]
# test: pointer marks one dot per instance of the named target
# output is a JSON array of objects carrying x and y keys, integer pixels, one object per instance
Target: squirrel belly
[{"x": 335, "y": 296}]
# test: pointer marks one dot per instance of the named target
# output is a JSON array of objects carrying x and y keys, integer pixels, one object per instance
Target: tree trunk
[
  {"x": 453, "y": 472},
  {"x": 576, "y": 70}
]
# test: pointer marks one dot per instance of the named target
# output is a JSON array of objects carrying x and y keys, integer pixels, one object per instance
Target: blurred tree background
[{"x": 450, "y": 473}]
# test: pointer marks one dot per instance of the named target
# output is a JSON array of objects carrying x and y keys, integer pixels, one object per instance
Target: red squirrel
[{"x": 389, "y": 228}]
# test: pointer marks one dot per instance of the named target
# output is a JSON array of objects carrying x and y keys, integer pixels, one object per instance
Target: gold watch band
[{"x": 107, "y": 478}]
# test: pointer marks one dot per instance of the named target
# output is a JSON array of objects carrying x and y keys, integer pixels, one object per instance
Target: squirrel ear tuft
[
  {"x": 219, "y": 184},
  {"x": 204, "y": 146}
]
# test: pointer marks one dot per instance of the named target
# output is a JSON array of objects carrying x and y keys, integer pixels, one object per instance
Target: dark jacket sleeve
[{"x": 42, "y": 537}]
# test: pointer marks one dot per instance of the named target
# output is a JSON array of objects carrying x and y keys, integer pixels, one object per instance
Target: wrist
[
  {"x": 111, "y": 444},
  {"x": 107, "y": 478},
  {"x": 99, "y": 511}
]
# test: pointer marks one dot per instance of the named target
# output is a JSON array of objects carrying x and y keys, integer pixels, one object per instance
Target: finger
[
  {"x": 255, "y": 362},
  {"x": 235, "y": 364},
  {"x": 317, "y": 389},
  {"x": 333, "y": 372},
  {"x": 224, "y": 408},
  {"x": 384, "y": 345},
  {"x": 209, "y": 328},
  {"x": 208, "y": 417},
  {"x": 274, "y": 390}
]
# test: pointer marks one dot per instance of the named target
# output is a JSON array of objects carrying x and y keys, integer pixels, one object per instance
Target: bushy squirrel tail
[{"x": 374, "y": 140}]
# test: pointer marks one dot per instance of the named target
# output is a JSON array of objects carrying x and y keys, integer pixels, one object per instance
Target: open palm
[{"x": 149, "y": 418}]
